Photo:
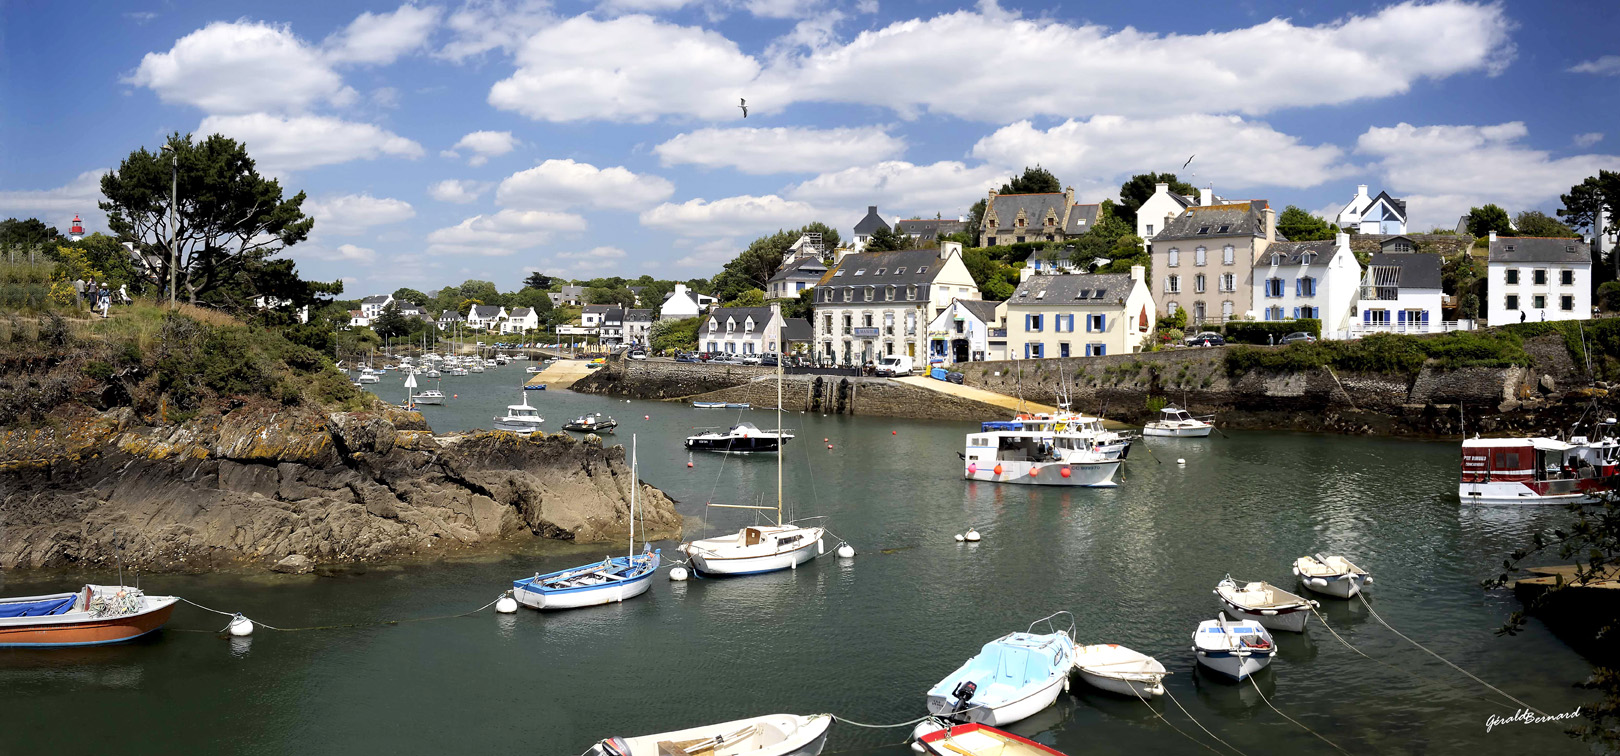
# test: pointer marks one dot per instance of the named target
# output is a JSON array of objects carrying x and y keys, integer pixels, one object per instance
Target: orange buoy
[
  {"x": 829, "y": 447},
  {"x": 1064, "y": 472},
  {"x": 998, "y": 469},
  {"x": 894, "y": 433},
  {"x": 455, "y": 396},
  {"x": 825, "y": 440},
  {"x": 689, "y": 464},
  {"x": 1034, "y": 471},
  {"x": 646, "y": 417}
]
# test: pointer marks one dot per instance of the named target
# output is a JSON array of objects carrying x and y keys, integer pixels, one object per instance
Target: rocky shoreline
[{"x": 298, "y": 488}]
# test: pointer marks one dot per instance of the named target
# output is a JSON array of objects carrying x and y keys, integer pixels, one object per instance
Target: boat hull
[
  {"x": 427, "y": 400},
  {"x": 808, "y": 738},
  {"x": 1081, "y": 474},
  {"x": 1177, "y": 432},
  {"x": 1128, "y": 688},
  {"x": 581, "y": 597},
  {"x": 1029, "y": 704},
  {"x": 1338, "y": 586},
  {"x": 1519, "y": 492},
  {"x": 522, "y": 429},
  {"x": 1286, "y": 620},
  {"x": 68, "y": 631},
  {"x": 715, "y": 565},
  {"x": 734, "y": 445},
  {"x": 968, "y": 738},
  {"x": 1238, "y": 665}
]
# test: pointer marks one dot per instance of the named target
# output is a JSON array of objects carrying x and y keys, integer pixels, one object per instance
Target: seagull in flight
[
  {"x": 1189, "y": 161},
  {"x": 744, "y": 106}
]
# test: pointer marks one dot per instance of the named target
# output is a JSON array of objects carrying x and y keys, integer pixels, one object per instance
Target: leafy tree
[
  {"x": 389, "y": 324},
  {"x": 1483, "y": 220},
  {"x": 532, "y": 297},
  {"x": 1608, "y": 296},
  {"x": 1463, "y": 276},
  {"x": 994, "y": 277},
  {"x": 749, "y": 298},
  {"x": 1137, "y": 189},
  {"x": 1537, "y": 223},
  {"x": 754, "y": 266},
  {"x": 975, "y": 225},
  {"x": 23, "y": 236},
  {"x": 1297, "y": 225},
  {"x": 538, "y": 280},
  {"x": 601, "y": 295},
  {"x": 1035, "y": 180},
  {"x": 802, "y": 306},
  {"x": 1589, "y": 198},
  {"x": 106, "y": 255},
  {"x": 483, "y": 291},
  {"x": 413, "y": 296},
  {"x": 230, "y": 221},
  {"x": 674, "y": 334},
  {"x": 1102, "y": 240},
  {"x": 466, "y": 305},
  {"x": 886, "y": 240}
]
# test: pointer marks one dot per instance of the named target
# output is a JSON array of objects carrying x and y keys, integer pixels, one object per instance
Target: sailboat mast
[
  {"x": 781, "y": 334},
  {"x": 635, "y": 483}
]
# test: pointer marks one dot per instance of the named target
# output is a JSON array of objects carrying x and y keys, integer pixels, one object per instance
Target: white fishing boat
[
  {"x": 1265, "y": 603},
  {"x": 367, "y": 376},
  {"x": 532, "y": 369},
  {"x": 1006, "y": 452},
  {"x": 758, "y": 548},
  {"x": 1088, "y": 431},
  {"x": 477, "y": 367},
  {"x": 1331, "y": 575},
  {"x": 1235, "y": 648},
  {"x": 769, "y": 735},
  {"x": 1011, "y": 678},
  {"x": 1177, "y": 423},
  {"x": 520, "y": 418},
  {"x": 1117, "y": 669},
  {"x": 742, "y": 438}
]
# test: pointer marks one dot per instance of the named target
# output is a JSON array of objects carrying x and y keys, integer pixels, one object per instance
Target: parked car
[
  {"x": 750, "y": 359},
  {"x": 1206, "y": 338},
  {"x": 895, "y": 364},
  {"x": 768, "y": 360},
  {"x": 1296, "y": 337},
  {"x": 686, "y": 357},
  {"x": 637, "y": 354}
]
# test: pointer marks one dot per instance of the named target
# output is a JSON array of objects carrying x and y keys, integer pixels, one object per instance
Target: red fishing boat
[
  {"x": 95, "y": 615},
  {"x": 1540, "y": 470}
]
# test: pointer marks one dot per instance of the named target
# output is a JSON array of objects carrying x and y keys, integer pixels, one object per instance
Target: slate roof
[
  {"x": 520, "y": 312},
  {"x": 377, "y": 299},
  {"x": 573, "y": 291},
  {"x": 1081, "y": 219},
  {"x": 1006, "y": 207},
  {"x": 871, "y": 222},
  {"x": 602, "y": 309},
  {"x": 1399, "y": 205},
  {"x": 1540, "y": 249},
  {"x": 1099, "y": 288},
  {"x": 718, "y": 316},
  {"x": 1291, "y": 252},
  {"x": 448, "y": 316},
  {"x": 985, "y": 311},
  {"x": 485, "y": 312},
  {"x": 919, "y": 266},
  {"x": 929, "y": 229},
  {"x": 1239, "y": 219},
  {"x": 1417, "y": 270},
  {"x": 798, "y": 329},
  {"x": 807, "y": 267},
  {"x": 638, "y": 316}
]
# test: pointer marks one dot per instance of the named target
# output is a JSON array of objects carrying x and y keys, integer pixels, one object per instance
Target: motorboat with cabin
[
  {"x": 1111, "y": 444},
  {"x": 1273, "y": 607},
  {"x": 1011, "y": 678},
  {"x": 1540, "y": 470},
  {"x": 742, "y": 438},
  {"x": 592, "y": 423},
  {"x": 1007, "y": 452},
  {"x": 92, "y": 616},
  {"x": 1234, "y": 648},
  {"x": 1177, "y": 423},
  {"x": 1117, "y": 669},
  {"x": 520, "y": 418},
  {"x": 1331, "y": 575},
  {"x": 769, "y": 735}
]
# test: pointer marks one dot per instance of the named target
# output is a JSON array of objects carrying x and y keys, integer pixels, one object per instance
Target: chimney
[
  {"x": 1206, "y": 196},
  {"x": 1341, "y": 240},
  {"x": 1361, "y": 190},
  {"x": 1493, "y": 237},
  {"x": 1271, "y": 224},
  {"x": 1161, "y": 188},
  {"x": 1024, "y": 273},
  {"x": 1068, "y": 197},
  {"x": 1138, "y": 272}
]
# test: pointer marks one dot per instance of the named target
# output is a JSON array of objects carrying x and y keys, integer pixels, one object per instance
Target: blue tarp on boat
[
  {"x": 1000, "y": 425},
  {"x": 44, "y": 608}
]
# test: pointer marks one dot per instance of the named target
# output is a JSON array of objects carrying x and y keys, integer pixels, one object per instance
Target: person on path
[
  {"x": 123, "y": 293},
  {"x": 106, "y": 299},
  {"x": 1271, "y": 339},
  {"x": 78, "y": 291}
]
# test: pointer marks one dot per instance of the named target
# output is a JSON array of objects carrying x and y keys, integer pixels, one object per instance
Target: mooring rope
[
  {"x": 910, "y": 723},
  {"x": 234, "y": 615},
  {"x": 1178, "y": 730},
  {"x": 1442, "y": 658},
  {"x": 1295, "y": 721},
  {"x": 1403, "y": 670},
  {"x": 1194, "y": 721}
]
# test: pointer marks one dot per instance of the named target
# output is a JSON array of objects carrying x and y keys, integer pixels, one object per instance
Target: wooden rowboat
[
  {"x": 974, "y": 739},
  {"x": 93, "y": 616}
]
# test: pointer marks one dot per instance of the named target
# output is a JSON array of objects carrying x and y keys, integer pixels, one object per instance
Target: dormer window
[
  {"x": 1040, "y": 294},
  {"x": 1084, "y": 294},
  {"x": 1276, "y": 259},
  {"x": 860, "y": 272},
  {"x": 898, "y": 271},
  {"x": 1203, "y": 230},
  {"x": 839, "y": 273},
  {"x": 1224, "y": 229},
  {"x": 880, "y": 271},
  {"x": 922, "y": 270}
]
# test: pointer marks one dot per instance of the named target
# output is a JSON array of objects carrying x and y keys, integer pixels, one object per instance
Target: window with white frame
[
  {"x": 1228, "y": 255},
  {"x": 1175, "y": 257},
  {"x": 1228, "y": 282},
  {"x": 1172, "y": 284},
  {"x": 1199, "y": 256},
  {"x": 1198, "y": 283}
]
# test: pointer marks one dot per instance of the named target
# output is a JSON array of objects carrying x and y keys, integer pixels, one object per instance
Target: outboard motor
[{"x": 963, "y": 693}]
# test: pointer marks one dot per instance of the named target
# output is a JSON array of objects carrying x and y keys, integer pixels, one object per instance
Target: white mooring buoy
[
  {"x": 506, "y": 604},
  {"x": 971, "y": 535},
  {"x": 677, "y": 574},
  {"x": 1181, "y": 462},
  {"x": 846, "y": 551},
  {"x": 959, "y": 538},
  {"x": 241, "y": 626}
]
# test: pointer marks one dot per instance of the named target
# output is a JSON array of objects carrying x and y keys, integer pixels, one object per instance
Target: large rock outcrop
[{"x": 257, "y": 486}]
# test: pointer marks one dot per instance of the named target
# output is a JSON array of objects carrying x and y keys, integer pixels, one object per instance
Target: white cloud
[
  {"x": 480, "y": 26},
  {"x": 947, "y": 187},
  {"x": 458, "y": 191},
  {"x": 56, "y": 207},
  {"x": 632, "y": 69},
  {"x": 380, "y": 38},
  {"x": 729, "y": 216},
  {"x": 502, "y": 233},
  {"x": 1608, "y": 65},
  {"x": 565, "y": 183},
  {"x": 780, "y": 150},
  {"x": 483, "y": 145},
  {"x": 283, "y": 143},
  {"x": 1444, "y": 170},
  {"x": 592, "y": 260},
  {"x": 353, "y": 253},
  {"x": 712, "y": 254},
  {"x": 1231, "y": 152},
  {"x": 352, "y": 214},
  {"x": 1586, "y": 140},
  {"x": 241, "y": 67}
]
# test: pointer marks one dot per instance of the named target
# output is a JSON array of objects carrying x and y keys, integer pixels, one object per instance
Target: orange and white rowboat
[
  {"x": 96, "y": 615},
  {"x": 974, "y": 739}
]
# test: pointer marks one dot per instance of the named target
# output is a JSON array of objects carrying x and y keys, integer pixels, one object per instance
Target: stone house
[
  {"x": 1019, "y": 218},
  {"x": 638, "y": 326},
  {"x": 928, "y": 230},
  {"x": 1204, "y": 257}
]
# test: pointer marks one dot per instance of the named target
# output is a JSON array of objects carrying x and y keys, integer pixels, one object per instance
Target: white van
[{"x": 895, "y": 364}]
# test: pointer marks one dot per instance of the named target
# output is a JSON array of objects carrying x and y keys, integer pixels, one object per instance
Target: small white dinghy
[
  {"x": 1236, "y": 649},
  {"x": 1265, "y": 603},
  {"x": 1117, "y": 669},
  {"x": 1331, "y": 575},
  {"x": 769, "y": 735}
]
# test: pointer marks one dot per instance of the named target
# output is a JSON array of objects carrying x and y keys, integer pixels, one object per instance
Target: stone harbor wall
[
  {"x": 839, "y": 395},
  {"x": 659, "y": 379},
  {"x": 258, "y": 487}
]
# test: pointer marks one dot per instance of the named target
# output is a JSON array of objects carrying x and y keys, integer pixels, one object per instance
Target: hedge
[
  {"x": 1256, "y": 331},
  {"x": 1387, "y": 353}
]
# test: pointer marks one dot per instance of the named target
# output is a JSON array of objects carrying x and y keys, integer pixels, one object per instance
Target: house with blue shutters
[
  {"x": 1315, "y": 279},
  {"x": 1400, "y": 293},
  {"x": 1080, "y": 315}
]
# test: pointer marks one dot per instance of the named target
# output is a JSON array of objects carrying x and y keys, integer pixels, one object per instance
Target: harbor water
[{"x": 863, "y": 638}]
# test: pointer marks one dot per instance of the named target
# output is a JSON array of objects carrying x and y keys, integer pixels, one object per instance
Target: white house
[
  {"x": 1150, "y": 216},
  {"x": 961, "y": 332},
  {"x": 638, "y": 326},
  {"x": 1536, "y": 279},
  {"x": 1400, "y": 293},
  {"x": 868, "y": 226},
  {"x": 372, "y": 306},
  {"x": 485, "y": 317},
  {"x": 521, "y": 319},
  {"x": 1075, "y": 315},
  {"x": 1315, "y": 279},
  {"x": 448, "y": 320},
  {"x": 1373, "y": 215},
  {"x": 683, "y": 303},
  {"x": 358, "y": 319},
  {"x": 743, "y": 330},
  {"x": 795, "y": 277},
  {"x": 880, "y": 303}
]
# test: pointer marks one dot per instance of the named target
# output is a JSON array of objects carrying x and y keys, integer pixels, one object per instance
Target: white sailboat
[{"x": 758, "y": 548}]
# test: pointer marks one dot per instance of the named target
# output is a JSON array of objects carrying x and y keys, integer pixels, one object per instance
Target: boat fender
[
  {"x": 506, "y": 604},
  {"x": 1268, "y": 612},
  {"x": 998, "y": 467},
  {"x": 1367, "y": 580},
  {"x": 821, "y": 548},
  {"x": 677, "y": 574},
  {"x": 1296, "y": 572},
  {"x": 241, "y": 626},
  {"x": 1065, "y": 684},
  {"x": 923, "y": 730},
  {"x": 1064, "y": 472},
  {"x": 846, "y": 551},
  {"x": 1318, "y": 582}
]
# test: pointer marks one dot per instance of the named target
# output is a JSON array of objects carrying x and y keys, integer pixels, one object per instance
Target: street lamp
[{"x": 174, "y": 200}]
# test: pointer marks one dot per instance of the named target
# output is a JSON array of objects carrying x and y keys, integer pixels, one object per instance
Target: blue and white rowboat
[
  {"x": 609, "y": 581},
  {"x": 1236, "y": 649}
]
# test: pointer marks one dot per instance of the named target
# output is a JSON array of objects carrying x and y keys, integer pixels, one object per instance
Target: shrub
[{"x": 1256, "y": 331}]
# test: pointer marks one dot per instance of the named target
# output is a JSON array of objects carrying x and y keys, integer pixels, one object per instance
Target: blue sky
[{"x": 446, "y": 141}]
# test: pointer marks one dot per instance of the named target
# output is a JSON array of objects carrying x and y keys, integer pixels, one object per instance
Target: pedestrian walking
[
  {"x": 106, "y": 299},
  {"x": 1271, "y": 340},
  {"x": 123, "y": 293},
  {"x": 78, "y": 291}
]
